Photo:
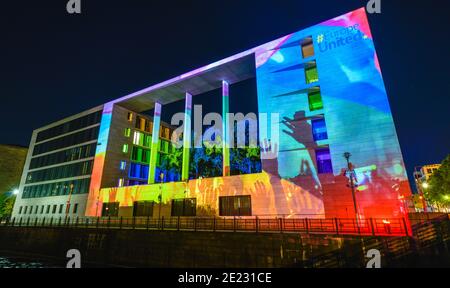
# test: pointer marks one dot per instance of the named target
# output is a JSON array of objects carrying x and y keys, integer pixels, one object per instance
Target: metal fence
[{"x": 334, "y": 226}]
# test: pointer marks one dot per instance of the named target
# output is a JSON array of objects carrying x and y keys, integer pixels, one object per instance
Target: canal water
[{"x": 20, "y": 262}]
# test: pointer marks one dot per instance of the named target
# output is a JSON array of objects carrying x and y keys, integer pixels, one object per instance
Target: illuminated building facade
[{"x": 320, "y": 93}]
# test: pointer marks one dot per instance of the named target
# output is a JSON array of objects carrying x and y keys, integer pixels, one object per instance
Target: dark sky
[{"x": 54, "y": 64}]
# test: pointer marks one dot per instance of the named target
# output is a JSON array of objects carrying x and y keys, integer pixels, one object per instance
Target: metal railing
[{"x": 334, "y": 226}]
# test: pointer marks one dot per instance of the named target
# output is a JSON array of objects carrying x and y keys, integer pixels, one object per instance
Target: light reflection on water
[{"x": 13, "y": 262}]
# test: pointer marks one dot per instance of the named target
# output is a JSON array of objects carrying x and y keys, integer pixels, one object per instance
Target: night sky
[{"x": 54, "y": 64}]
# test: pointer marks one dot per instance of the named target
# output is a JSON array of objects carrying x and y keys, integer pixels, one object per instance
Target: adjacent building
[{"x": 320, "y": 93}]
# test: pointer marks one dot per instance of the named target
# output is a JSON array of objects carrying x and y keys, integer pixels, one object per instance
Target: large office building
[{"x": 320, "y": 93}]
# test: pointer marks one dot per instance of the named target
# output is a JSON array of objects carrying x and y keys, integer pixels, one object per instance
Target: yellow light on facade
[{"x": 425, "y": 185}]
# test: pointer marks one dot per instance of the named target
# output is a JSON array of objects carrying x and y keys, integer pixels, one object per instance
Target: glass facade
[
  {"x": 66, "y": 171},
  {"x": 66, "y": 141},
  {"x": 70, "y": 126},
  {"x": 68, "y": 155},
  {"x": 80, "y": 186}
]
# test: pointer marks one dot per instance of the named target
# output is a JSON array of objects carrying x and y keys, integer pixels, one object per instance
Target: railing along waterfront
[{"x": 333, "y": 226}]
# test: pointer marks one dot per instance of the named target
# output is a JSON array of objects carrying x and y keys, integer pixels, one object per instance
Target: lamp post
[
  {"x": 420, "y": 187},
  {"x": 350, "y": 171},
  {"x": 161, "y": 177},
  {"x": 68, "y": 200}
]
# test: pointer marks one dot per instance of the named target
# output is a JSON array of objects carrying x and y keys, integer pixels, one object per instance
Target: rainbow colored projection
[
  {"x": 92, "y": 206},
  {"x": 324, "y": 84}
]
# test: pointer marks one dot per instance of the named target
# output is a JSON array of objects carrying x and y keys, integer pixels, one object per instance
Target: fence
[{"x": 334, "y": 226}]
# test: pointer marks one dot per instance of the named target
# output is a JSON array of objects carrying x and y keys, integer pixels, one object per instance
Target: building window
[
  {"x": 125, "y": 148},
  {"x": 311, "y": 74},
  {"x": 123, "y": 165},
  {"x": 127, "y": 132},
  {"x": 184, "y": 207},
  {"x": 130, "y": 116},
  {"x": 120, "y": 182},
  {"x": 235, "y": 206},
  {"x": 48, "y": 209},
  {"x": 61, "y": 207},
  {"x": 110, "y": 209},
  {"x": 42, "y": 209},
  {"x": 138, "y": 171},
  {"x": 138, "y": 138},
  {"x": 307, "y": 47},
  {"x": 315, "y": 101},
  {"x": 25, "y": 210},
  {"x": 143, "y": 208},
  {"x": 75, "y": 208},
  {"x": 323, "y": 160},
  {"x": 20, "y": 210},
  {"x": 54, "y": 209},
  {"x": 319, "y": 129}
]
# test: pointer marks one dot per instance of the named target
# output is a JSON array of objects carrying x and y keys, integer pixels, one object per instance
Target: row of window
[
  {"x": 79, "y": 186},
  {"x": 147, "y": 126},
  {"x": 138, "y": 171},
  {"x": 67, "y": 141},
  {"x": 70, "y": 126},
  {"x": 68, "y": 155},
  {"x": 65, "y": 171},
  {"x": 48, "y": 209},
  {"x": 228, "y": 206}
]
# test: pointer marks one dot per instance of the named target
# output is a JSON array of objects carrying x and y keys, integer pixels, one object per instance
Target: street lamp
[
  {"x": 425, "y": 185},
  {"x": 68, "y": 200},
  {"x": 420, "y": 187},
  {"x": 161, "y": 177},
  {"x": 16, "y": 191},
  {"x": 351, "y": 172}
]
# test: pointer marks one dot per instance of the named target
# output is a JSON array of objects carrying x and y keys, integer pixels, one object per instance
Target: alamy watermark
[
  {"x": 373, "y": 7},
  {"x": 74, "y": 256},
  {"x": 375, "y": 258},
  {"x": 73, "y": 7}
]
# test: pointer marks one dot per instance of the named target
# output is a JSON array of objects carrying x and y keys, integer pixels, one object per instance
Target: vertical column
[
  {"x": 186, "y": 137},
  {"x": 155, "y": 141},
  {"x": 226, "y": 130}
]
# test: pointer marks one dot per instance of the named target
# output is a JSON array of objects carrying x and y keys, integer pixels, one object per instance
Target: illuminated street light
[
  {"x": 16, "y": 191},
  {"x": 425, "y": 185}
]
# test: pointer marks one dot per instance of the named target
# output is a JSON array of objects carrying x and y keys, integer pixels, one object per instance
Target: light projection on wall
[
  {"x": 92, "y": 207},
  {"x": 326, "y": 87}
]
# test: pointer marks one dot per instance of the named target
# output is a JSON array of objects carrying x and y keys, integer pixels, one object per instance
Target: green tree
[
  {"x": 439, "y": 184},
  {"x": 6, "y": 205}
]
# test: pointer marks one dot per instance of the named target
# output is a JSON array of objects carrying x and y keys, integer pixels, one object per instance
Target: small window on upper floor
[
  {"x": 319, "y": 129},
  {"x": 315, "y": 100},
  {"x": 311, "y": 74},
  {"x": 130, "y": 116},
  {"x": 123, "y": 165},
  {"x": 125, "y": 148},
  {"x": 120, "y": 182},
  {"x": 307, "y": 47},
  {"x": 323, "y": 161},
  {"x": 127, "y": 132}
]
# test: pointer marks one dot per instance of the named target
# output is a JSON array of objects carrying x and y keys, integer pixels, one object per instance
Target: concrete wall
[{"x": 140, "y": 248}]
